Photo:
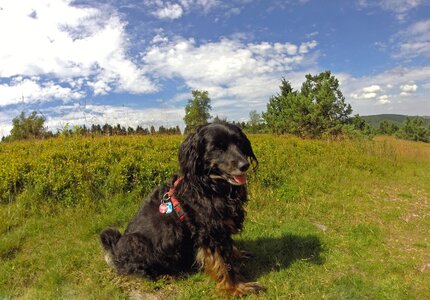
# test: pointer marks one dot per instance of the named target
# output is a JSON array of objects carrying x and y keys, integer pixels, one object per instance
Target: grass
[{"x": 335, "y": 220}]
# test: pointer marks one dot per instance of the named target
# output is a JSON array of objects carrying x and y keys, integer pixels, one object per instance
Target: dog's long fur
[{"x": 212, "y": 198}]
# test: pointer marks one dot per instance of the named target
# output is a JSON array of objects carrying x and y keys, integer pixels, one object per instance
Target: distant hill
[{"x": 374, "y": 120}]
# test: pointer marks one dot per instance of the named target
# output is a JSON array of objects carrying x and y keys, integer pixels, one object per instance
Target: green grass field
[{"x": 326, "y": 219}]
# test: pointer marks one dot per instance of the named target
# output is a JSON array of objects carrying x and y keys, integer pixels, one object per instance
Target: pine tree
[{"x": 318, "y": 109}]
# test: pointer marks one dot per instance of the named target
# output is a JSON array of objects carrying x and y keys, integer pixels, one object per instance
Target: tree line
[
  {"x": 411, "y": 129},
  {"x": 32, "y": 127},
  {"x": 316, "y": 110}
]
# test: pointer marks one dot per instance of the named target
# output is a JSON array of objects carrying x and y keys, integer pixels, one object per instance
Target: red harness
[{"x": 176, "y": 205}]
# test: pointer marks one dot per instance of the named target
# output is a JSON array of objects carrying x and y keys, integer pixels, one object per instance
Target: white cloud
[
  {"x": 206, "y": 5},
  {"x": 79, "y": 50},
  {"x": 30, "y": 91},
  {"x": 221, "y": 62},
  {"x": 384, "y": 99},
  {"x": 68, "y": 44},
  {"x": 159, "y": 38},
  {"x": 170, "y": 11},
  {"x": 412, "y": 98},
  {"x": 369, "y": 95},
  {"x": 420, "y": 27},
  {"x": 305, "y": 47},
  {"x": 6, "y": 122},
  {"x": 408, "y": 88},
  {"x": 232, "y": 71},
  {"x": 415, "y": 40},
  {"x": 399, "y": 7},
  {"x": 372, "y": 89},
  {"x": 176, "y": 9},
  {"x": 368, "y": 92}
]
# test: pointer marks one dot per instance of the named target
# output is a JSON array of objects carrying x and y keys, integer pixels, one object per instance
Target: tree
[
  {"x": 152, "y": 130},
  {"x": 255, "y": 122},
  {"x": 389, "y": 128},
  {"x": 217, "y": 119},
  {"x": 328, "y": 108},
  {"x": 281, "y": 109},
  {"x": 318, "y": 109},
  {"x": 26, "y": 127},
  {"x": 413, "y": 129},
  {"x": 96, "y": 129},
  {"x": 197, "y": 110},
  {"x": 107, "y": 129}
]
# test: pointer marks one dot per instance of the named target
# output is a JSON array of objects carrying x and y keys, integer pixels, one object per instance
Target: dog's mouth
[
  {"x": 232, "y": 179},
  {"x": 238, "y": 179}
]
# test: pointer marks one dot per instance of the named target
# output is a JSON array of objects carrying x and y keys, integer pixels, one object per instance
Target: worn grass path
[{"x": 332, "y": 220}]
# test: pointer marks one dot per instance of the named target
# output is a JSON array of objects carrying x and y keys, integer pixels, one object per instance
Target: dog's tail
[{"x": 109, "y": 238}]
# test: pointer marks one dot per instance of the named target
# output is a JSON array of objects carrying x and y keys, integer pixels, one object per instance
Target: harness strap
[{"x": 175, "y": 202}]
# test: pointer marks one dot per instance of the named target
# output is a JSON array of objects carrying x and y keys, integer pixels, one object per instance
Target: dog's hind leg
[
  {"x": 109, "y": 238},
  {"x": 129, "y": 253},
  {"x": 133, "y": 254}
]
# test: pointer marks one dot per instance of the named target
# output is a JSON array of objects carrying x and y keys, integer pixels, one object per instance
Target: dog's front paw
[
  {"x": 241, "y": 254},
  {"x": 245, "y": 288}
]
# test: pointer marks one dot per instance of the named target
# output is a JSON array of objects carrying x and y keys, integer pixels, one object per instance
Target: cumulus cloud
[
  {"x": 68, "y": 44},
  {"x": 384, "y": 99},
  {"x": 369, "y": 95},
  {"x": 176, "y": 9},
  {"x": 223, "y": 61},
  {"x": 31, "y": 90},
  {"x": 408, "y": 88},
  {"x": 367, "y": 92},
  {"x": 228, "y": 69},
  {"x": 372, "y": 89},
  {"x": 5, "y": 122},
  {"x": 170, "y": 11},
  {"x": 401, "y": 90},
  {"x": 305, "y": 47},
  {"x": 71, "y": 53}
]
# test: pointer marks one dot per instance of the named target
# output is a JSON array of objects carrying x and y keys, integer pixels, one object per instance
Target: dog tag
[
  {"x": 163, "y": 208},
  {"x": 166, "y": 208},
  {"x": 169, "y": 208}
]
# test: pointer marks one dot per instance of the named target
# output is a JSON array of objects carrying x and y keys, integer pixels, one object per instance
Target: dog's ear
[
  {"x": 190, "y": 154},
  {"x": 247, "y": 150}
]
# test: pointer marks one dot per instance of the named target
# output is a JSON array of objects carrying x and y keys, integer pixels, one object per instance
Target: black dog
[{"x": 192, "y": 220}]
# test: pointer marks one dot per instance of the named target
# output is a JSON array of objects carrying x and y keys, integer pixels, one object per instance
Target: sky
[{"x": 136, "y": 62}]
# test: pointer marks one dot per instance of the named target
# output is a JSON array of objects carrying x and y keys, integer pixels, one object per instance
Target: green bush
[{"x": 72, "y": 170}]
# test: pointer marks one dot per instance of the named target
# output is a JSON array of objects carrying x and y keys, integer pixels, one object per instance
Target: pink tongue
[{"x": 241, "y": 179}]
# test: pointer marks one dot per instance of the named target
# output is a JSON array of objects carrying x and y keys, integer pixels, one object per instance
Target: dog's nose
[{"x": 243, "y": 165}]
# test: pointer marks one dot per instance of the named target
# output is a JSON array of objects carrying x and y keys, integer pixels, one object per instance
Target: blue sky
[{"x": 136, "y": 62}]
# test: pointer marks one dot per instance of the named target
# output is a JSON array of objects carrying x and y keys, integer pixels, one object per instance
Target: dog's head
[{"x": 217, "y": 151}]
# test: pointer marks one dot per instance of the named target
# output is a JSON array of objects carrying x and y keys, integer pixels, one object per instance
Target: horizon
[{"x": 135, "y": 63}]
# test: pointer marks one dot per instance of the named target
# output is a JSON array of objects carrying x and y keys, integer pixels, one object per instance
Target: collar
[{"x": 175, "y": 202}]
